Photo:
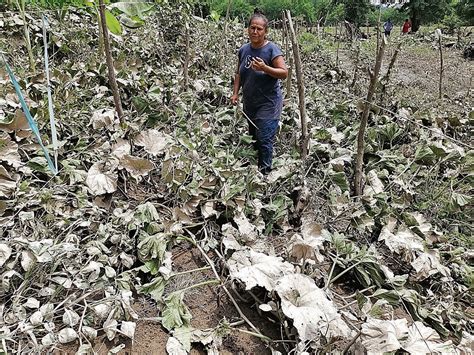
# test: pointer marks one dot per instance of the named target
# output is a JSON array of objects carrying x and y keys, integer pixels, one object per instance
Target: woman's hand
[
  {"x": 258, "y": 64},
  {"x": 234, "y": 99}
]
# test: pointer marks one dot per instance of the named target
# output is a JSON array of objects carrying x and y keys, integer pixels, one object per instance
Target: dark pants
[{"x": 264, "y": 137}]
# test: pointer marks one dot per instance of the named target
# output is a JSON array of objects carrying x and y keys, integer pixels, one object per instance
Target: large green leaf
[
  {"x": 133, "y": 9},
  {"x": 112, "y": 23}
]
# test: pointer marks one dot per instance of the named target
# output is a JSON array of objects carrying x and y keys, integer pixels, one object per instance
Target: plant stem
[
  {"x": 200, "y": 284},
  {"x": 110, "y": 64},
  {"x": 345, "y": 271}
]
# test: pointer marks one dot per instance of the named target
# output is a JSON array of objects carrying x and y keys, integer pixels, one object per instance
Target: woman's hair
[{"x": 257, "y": 13}]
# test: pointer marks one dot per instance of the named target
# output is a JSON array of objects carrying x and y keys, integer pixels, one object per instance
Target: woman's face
[{"x": 257, "y": 31}]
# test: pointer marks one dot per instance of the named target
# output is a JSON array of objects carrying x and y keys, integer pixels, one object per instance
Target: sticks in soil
[
  {"x": 301, "y": 89},
  {"x": 365, "y": 116}
]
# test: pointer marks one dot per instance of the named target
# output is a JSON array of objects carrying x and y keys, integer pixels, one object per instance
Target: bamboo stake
[
  {"x": 365, "y": 116},
  {"x": 301, "y": 89},
  {"x": 110, "y": 63}
]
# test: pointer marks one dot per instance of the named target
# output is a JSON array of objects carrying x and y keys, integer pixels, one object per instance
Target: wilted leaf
[
  {"x": 5, "y": 253},
  {"x": 67, "y": 335},
  {"x": 428, "y": 264},
  {"x": 257, "y": 269},
  {"x": 103, "y": 118},
  {"x": 9, "y": 151},
  {"x": 110, "y": 328},
  {"x": 7, "y": 183},
  {"x": 137, "y": 167},
  {"x": 121, "y": 148},
  {"x": 101, "y": 181},
  {"x": 404, "y": 241},
  {"x": 247, "y": 230},
  {"x": 128, "y": 329},
  {"x": 380, "y": 336},
  {"x": 89, "y": 332},
  {"x": 153, "y": 141},
  {"x": 70, "y": 317},
  {"x": 312, "y": 312},
  {"x": 174, "y": 347},
  {"x": 175, "y": 313},
  {"x": 425, "y": 340}
]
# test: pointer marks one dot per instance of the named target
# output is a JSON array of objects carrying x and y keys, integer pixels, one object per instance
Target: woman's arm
[
  {"x": 277, "y": 70},
  {"x": 235, "y": 95}
]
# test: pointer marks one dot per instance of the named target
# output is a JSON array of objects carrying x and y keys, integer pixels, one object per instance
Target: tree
[
  {"x": 356, "y": 11},
  {"x": 465, "y": 10},
  {"x": 425, "y": 11}
]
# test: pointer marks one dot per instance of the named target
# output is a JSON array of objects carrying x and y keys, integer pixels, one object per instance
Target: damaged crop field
[{"x": 153, "y": 232}]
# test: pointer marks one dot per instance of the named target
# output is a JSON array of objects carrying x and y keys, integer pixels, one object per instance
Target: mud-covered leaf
[
  {"x": 100, "y": 180},
  {"x": 67, "y": 335},
  {"x": 312, "y": 312},
  {"x": 137, "y": 167},
  {"x": 257, "y": 269},
  {"x": 153, "y": 141}
]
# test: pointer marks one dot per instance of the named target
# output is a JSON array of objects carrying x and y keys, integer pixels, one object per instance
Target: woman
[
  {"x": 406, "y": 27},
  {"x": 260, "y": 67}
]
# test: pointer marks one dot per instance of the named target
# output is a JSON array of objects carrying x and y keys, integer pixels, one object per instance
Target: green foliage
[
  {"x": 451, "y": 22},
  {"x": 465, "y": 11},
  {"x": 426, "y": 11},
  {"x": 356, "y": 11},
  {"x": 396, "y": 15},
  {"x": 308, "y": 42}
]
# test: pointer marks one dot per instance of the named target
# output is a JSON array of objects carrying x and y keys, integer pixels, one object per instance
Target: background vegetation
[{"x": 451, "y": 13}]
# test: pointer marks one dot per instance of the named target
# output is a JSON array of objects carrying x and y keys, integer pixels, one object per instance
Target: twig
[
  {"x": 354, "y": 339},
  {"x": 211, "y": 264}
]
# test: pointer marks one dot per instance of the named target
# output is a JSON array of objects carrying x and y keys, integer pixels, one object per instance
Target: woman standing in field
[{"x": 259, "y": 70}]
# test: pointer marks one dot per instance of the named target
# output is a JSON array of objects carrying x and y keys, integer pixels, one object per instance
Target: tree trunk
[
  {"x": 365, "y": 116},
  {"x": 110, "y": 63},
  {"x": 301, "y": 90}
]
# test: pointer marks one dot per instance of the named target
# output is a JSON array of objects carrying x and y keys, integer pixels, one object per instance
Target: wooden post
[
  {"x": 290, "y": 58},
  {"x": 110, "y": 63},
  {"x": 300, "y": 83},
  {"x": 356, "y": 65},
  {"x": 227, "y": 14},
  {"x": 385, "y": 79},
  {"x": 186, "y": 57},
  {"x": 441, "y": 62},
  {"x": 337, "y": 44},
  {"x": 365, "y": 116}
]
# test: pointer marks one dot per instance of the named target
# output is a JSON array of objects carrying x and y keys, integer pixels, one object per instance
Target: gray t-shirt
[{"x": 262, "y": 96}]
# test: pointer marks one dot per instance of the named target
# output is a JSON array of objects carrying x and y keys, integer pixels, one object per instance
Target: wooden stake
[
  {"x": 290, "y": 58},
  {"x": 441, "y": 63},
  {"x": 365, "y": 116},
  {"x": 110, "y": 63},
  {"x": 301, "y": 90},
  {"x": 186, "y": 57}
]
